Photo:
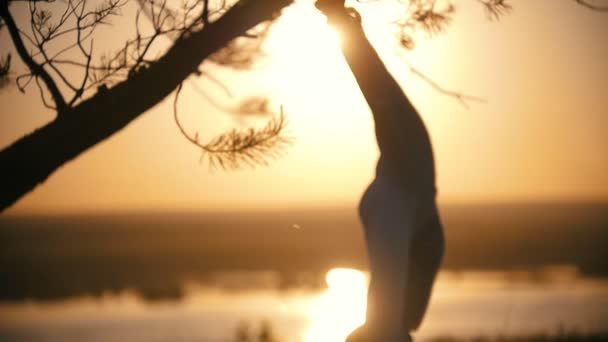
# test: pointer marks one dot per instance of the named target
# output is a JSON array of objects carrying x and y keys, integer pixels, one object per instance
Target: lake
[
  {"x": 464, "y": 304},
  {"x": 298, "y": 275}
]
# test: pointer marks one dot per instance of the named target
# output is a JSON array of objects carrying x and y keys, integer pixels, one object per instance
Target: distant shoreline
[
  {"x": 62, "y": 256},
  {"x": 295, "y": 208}
]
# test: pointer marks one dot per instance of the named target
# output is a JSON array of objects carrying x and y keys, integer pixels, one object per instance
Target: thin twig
[
  {"x": 462, "y": 98},
  {"x": 592, "y": 6},
  {"x": 34, "y": 67}
]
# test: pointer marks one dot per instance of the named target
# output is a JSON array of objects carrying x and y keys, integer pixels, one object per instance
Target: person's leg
[
  {"x": 389, "y": 218},
  {"x": 426, "y": 253},
  {"x": 386, "y": 300}
]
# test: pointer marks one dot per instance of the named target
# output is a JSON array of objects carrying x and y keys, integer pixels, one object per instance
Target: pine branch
[{"x": 235, "y": 148}]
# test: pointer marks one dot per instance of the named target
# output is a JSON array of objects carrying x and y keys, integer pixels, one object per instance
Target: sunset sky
[{"x": 541, "y": 134}]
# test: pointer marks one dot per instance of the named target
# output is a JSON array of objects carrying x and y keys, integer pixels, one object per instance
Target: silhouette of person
[{"x": 398, "y": 210}]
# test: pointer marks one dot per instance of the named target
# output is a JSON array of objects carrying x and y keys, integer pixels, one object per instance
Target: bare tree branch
[
  {"x": 5, "y": 64},
  {"x": 35, "y": 68},
  {"x": 30, "y": 160},
  {"x": 462, "y": 98},
  {"x": 5, "y": 69},
  {"x": 593, "y": 6},
  {"x": 205, "y": 14}
]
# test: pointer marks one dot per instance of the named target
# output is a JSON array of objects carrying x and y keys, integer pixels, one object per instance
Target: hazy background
[
  {"x": 157, "y": 254},
  {"x": 540, "y": 135},
  {"x": 136, "y": 240},
  {"x": 509, "y": 270}
]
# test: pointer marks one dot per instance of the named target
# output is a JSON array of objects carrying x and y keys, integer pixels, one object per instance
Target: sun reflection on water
[{"x": 340, "y": 309}]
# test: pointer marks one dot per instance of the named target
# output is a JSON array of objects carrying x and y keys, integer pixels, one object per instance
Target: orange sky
[{"x": 541, "y": 135}]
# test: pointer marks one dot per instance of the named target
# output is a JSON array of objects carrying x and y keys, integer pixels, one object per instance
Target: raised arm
[{"x": 405, "y": 147}]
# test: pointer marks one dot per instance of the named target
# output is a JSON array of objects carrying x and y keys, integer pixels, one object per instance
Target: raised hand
[{"x": 336, "y": 12}]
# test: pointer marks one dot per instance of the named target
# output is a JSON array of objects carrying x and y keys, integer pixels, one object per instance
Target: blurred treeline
[{"x": 49, "y": 257}]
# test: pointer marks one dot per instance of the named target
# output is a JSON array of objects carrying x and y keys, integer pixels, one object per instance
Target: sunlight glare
[
  {"x": 304, "y": 48},
  {"x": 340, "y": 309}
]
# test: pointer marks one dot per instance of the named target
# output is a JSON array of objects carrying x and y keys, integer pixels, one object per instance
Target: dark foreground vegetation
[
  {"x": 245, "y": 332},
  {"x": 563, "y": 337}
]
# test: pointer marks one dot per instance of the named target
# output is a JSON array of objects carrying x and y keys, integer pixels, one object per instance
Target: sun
[
  {"x": 340, "y": 309},
  {"x": 301, "y": 27},
  {"x": 302, "y": 46}
]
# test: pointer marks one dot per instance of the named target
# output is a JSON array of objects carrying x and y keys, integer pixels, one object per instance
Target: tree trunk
[{"x": 33, "y": 158}]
